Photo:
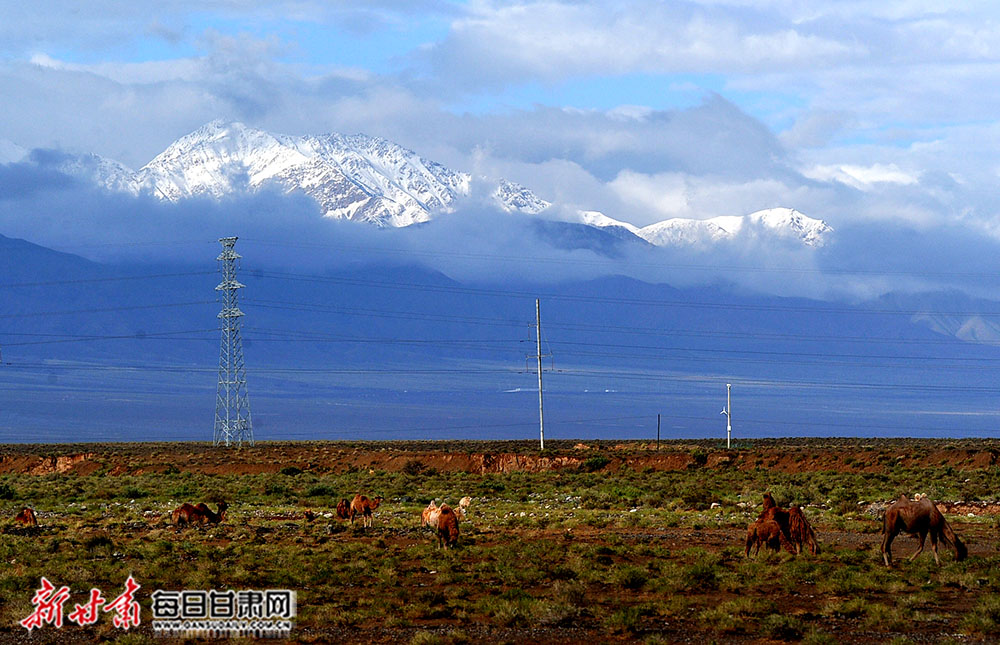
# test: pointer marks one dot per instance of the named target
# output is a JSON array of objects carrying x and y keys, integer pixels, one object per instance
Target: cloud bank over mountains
[
  {"x": 229, "y": 179},
  {"x": 878, "y": 120}
]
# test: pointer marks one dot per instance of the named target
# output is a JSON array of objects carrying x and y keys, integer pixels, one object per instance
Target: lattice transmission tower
[{"x": 232, "y": 403}]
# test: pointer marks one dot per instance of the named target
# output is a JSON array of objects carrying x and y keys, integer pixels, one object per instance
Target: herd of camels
[{"x": 774, "y": 528}]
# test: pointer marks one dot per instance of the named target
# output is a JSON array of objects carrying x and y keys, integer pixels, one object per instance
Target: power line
[
  {"x": 107, "y": 309},
  {"x": 61, "y": 338},
  {"x": 50, "y": 283}
]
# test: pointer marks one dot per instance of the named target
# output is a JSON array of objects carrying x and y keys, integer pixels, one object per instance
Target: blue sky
[{"x": 848, "y": 111}]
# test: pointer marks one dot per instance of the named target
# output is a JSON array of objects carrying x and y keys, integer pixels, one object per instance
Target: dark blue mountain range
[{"x": 101, "y": 352}]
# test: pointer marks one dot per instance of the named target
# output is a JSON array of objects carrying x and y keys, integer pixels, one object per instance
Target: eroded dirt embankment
[{"x": 862, "y": 456}]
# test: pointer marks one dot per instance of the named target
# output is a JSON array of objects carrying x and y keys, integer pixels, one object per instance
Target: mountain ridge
[{"x": 373, "y": 180}]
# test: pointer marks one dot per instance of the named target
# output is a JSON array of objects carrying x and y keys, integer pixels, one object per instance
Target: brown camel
[
  {"x": 27, "y": 517},
  {"x": 766, "y": 532},
  {"x": 799, "y": 531},
  {"x": 447, "y": 527},
  {"x": 795, "y": 529},
  {"x": 200, "y": 514},
  {"x": 344, "y": 509},
  {"x": 363, "y": 506},
  {"x": 920, "y": 518}
]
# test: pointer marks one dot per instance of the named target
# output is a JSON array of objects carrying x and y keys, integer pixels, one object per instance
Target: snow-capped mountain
[
  {"x": 353, "y": 177},
  {"x": 786, "y": 223},
  {"x": 106, "y": 173},
  {"x": 370, "y": 179}
]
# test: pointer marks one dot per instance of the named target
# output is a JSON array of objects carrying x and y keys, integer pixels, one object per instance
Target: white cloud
[
  {"x": 862, "y": 177},
  {"x": 554, "y": 40}
]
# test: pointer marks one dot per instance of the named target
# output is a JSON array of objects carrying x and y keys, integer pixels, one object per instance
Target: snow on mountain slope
[
  {"x": 598, "y": 219},
  {"x": 781, "y": 222},
  {"x": 351, "y": 177},
  {"x": 374, "y": 180},
  {"x": 106, "y": 173},
  {"x": 791, "y": 223}
]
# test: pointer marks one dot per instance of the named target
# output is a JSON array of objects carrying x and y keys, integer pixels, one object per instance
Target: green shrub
[
  {"x": 321, "y": 490},
  {"x": 984, "y": 618},
  {"x": 782, "y": 627},
  {"x": 7, "y": 492},
  {"x": 414, "y": 467},
  {"x": 700, "y": 576},
  {"x": 631, "y": 577},
  {"x": 626, "y": 620},
  {"x": 595, "y": 463}
]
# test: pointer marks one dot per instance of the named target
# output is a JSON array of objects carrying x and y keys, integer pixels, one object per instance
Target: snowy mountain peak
[
  {"x": 598, "y": 219},
  {"x": 790, "y": 222},
  {"x": 781, "y": 222},
  {"x": 349, "y": 176},
  {"x": 370, "y": 179}
]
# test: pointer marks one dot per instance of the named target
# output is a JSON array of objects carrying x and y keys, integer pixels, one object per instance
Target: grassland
[{"x": 602, "y": 542}]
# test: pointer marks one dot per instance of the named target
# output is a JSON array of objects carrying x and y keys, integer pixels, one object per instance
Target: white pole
[
  {"x": 538, "y": 347},
  {"x": 729, "y": 414},
  {"x": 728, "y": 411}
]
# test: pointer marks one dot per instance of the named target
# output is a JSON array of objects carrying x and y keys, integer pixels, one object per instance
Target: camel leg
[
  {"x": 887, "y": 548},
  {"x": 934, "y": 544},
  {"x": 920, "y": 549}
]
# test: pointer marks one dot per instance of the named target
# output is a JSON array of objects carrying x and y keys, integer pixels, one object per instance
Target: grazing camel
[
  {"x": 920, "y": 518},
  {"x": 363, "y": 506},
  {"x": 27, "y": 517},
  {"x": 799, "y": 531},
  {"x": 766, "y": 532},
  {"x": 344, "y": 509},
  {"x": 200, "y": 514},
  {"x": 463, "y": 506},
  {"x": 429, "y": 516},
  {"x": 795, "y": 529},
  {"x": 447, "y": 527}
]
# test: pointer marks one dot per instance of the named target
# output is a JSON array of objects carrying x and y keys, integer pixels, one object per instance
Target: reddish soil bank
[{"x": 788, "y": 455}]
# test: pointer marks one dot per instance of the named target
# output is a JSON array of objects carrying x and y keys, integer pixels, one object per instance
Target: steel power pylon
[{"x": 232, "y": 403}]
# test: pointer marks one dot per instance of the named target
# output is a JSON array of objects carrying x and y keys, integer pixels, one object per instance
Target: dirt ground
[
  {"x": 951, "y": 600},
  {"x": 784, "y": 455}
]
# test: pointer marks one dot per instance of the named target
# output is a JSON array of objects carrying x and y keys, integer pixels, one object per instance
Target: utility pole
[
  {"x": 657, "y": 431},
  {"x": 728, "y": 411},
  {"x": 538, "y": 355},
  {"x": 232, "y": 403}
]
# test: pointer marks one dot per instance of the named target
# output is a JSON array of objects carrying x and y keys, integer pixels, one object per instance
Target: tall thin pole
[
  {"x": 657, "y": 431},
  {"x": 538, "y": 354},
  {"x": 729, "y": 414}
]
